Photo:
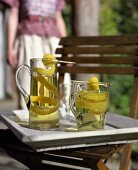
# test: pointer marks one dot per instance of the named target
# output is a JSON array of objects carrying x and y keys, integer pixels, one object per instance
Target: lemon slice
[
  {"x": 94, "y": 96},
  {"x": 43, "y": 100},
  {"x": 43, "y": 110},
  {"x": 45, "y": 82},
  {"x": 93, "y": 83},
  {"x": 96, "y": 103},
  {"x": 48, "y": 72},
  {"x": 49, "y": 60}
]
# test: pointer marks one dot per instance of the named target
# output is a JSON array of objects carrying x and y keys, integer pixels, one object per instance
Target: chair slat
[
  {"x": 99, "y": 70},
  {"x": 98, "y": 50},
  {"x": 100, "y": 40}
]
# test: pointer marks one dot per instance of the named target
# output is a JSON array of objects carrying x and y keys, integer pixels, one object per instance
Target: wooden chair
[{"x": 103, "y": 55}]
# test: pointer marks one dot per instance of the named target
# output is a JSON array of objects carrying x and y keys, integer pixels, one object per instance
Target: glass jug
[{"x": 43, "y": 101}]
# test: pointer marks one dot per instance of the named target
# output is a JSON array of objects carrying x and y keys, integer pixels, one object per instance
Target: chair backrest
[{"x": 102, "y": 55}]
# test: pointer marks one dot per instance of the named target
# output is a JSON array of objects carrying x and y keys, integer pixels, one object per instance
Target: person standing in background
[{"x": 34, "y": 27}]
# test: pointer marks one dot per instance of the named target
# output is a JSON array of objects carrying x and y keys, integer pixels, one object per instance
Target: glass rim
[{"x": 86, "y": 82}]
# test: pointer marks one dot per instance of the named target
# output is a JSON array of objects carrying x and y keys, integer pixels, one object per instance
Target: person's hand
[{"x": 12, "y": 58}]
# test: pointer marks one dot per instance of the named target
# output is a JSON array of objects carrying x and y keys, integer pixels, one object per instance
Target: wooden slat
[
  {"x": 103, "y": 60},
  {"x": 98, "y": 50},
  {"x": 99, "y": 70},
  {"x": 100, "y": 40},
  {"x": 60, "y": 157}
]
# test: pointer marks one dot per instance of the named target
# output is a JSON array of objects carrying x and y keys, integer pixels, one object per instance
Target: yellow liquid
[
  {"x": 43, "y": 112},
  {"x": 90, "y": 109}
]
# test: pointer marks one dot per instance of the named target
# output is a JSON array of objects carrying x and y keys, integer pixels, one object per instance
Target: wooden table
[{"x": 31, "y": 147}]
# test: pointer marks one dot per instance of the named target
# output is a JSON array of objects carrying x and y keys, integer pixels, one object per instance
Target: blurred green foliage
[
  {"x": 127, "y": 16},
  {"x": 108, "y": 24},
  {"x": 120, "y": 93},
  {"x": 118, "y": 17}
]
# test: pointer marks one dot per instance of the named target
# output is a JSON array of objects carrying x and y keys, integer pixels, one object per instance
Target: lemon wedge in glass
[{"x": 93, "y": 83}]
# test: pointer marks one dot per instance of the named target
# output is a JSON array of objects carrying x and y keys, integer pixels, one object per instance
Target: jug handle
[{"x": 21, "y": 89}]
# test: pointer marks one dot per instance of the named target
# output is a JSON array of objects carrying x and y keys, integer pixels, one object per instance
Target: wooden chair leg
[
  {"x": 102, "y": 166},
  {"x": 125, "y": 157}
]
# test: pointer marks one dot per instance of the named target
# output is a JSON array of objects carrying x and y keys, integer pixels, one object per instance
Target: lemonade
[
  {"x": 89, "y": 103},
  {"x": 90, "y": 109},
  {"x": 43, "y": 102}
]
